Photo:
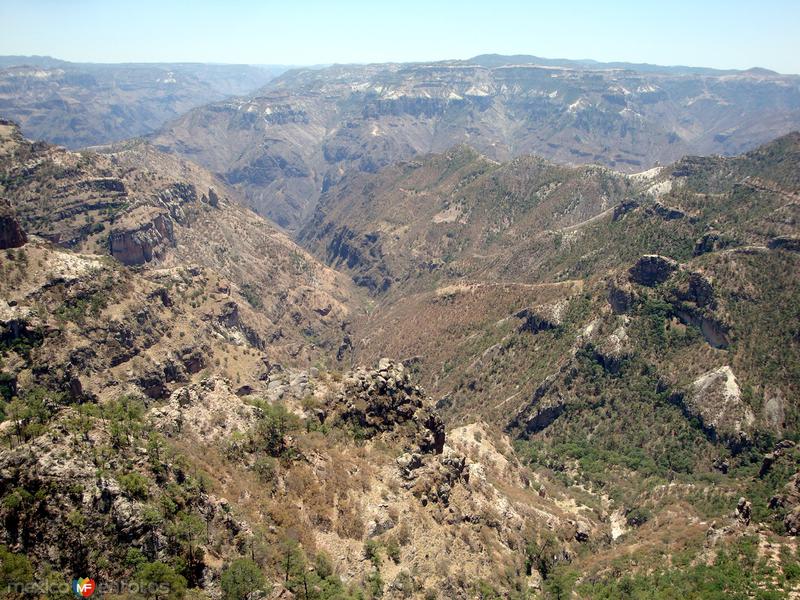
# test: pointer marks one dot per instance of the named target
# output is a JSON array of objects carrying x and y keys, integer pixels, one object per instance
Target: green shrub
[
  {"x": 241, "y": 578},
  {"x": 160, "y": 582},
  {"x": 134, "y": 485},
  {"x": 272, "y": 428},
  {"x": 372, "y": 552},
  {"x": 252, "y": 295},
  {"x": 393, "y": 550},
  {"x": 15, "y": 569}
]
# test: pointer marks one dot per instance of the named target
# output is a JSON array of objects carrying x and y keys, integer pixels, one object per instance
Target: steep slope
[
  {"x": 179, "y": 226},
  {"x": 298, "y": 135},
  {"x": 609, "y": 366},
  {"x": 645, "y": 352},
  {"x": 455, "y": 216},
  {"x": 144, "y": 399},
  {"x": 528, "y": 248},
  {"x": 81, "y": 104}
]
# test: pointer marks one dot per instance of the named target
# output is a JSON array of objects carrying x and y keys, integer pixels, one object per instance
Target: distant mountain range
[
  {"x": 85, "y": 104},
  {"x": 298, "y": 135},
  {"x": 498, "y": 60}
]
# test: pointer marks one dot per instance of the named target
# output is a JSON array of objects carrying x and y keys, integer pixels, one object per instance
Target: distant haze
[{"x": 733, "y": 34}]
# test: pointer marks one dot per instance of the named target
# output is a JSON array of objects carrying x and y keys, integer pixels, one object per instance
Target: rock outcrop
[
  {"x": 693, "y": 301},
  {"x": 668, "y": 213},
  {"x": 11, "y": 234},
  {"x": 698, "y": 290},
  {"x": 715, "y": 399},
  {"x": 209, "y": 410},
  {"x": 652, "y": 269},
  {"x": 621, "y": 296},
  {"x": 362, "y": 254},
  {"x": 136, "y": 246},
  {"x": 785, "y": 242},
  {"x": 385, "y": 402},
  {"x": 789, "y": 502},
  {"x": 744, "y": 511},
  {"x": 771, "y": 457},
  {"x": 712, "y": 241},
  {"x": 623, "y": 208},
  {"x": 540, "y": 318},
  {"x": 715, "y": 331}
]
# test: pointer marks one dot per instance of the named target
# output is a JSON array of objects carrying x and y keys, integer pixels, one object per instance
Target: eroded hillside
[
  {"x": 592, "y": 384},
  {"x": 634, "y": 333}
]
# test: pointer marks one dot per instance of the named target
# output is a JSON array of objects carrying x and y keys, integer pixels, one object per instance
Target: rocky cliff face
[
  {"x": 149, "y": 240},
  {"x": 251, "y": 288},
  {"x": 715, "y": 398},
  {"x": 576, "y": 388},
  {"x": 651, "y": 270}
]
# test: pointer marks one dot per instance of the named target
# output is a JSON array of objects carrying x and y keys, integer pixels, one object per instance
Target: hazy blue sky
[{"x": 714, "y": 33}]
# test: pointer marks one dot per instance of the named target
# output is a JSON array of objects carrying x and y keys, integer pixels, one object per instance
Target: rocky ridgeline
[{"x": 385, "y": 402}]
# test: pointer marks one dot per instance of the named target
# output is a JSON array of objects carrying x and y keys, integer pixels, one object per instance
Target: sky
[{"x": 710, "y": 33}]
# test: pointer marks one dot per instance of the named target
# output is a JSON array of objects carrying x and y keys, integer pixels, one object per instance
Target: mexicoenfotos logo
[{"x": 83, "y": 587}]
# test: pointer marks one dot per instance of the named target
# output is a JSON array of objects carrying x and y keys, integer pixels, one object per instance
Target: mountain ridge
[
  {"x": 285, "y": 145},
  {"x": 86, "y": 104},
  {"x": 473, "y": 373}
]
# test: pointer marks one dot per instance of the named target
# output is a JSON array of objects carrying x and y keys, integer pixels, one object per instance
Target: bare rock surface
[{"x": 715, "y": 398}]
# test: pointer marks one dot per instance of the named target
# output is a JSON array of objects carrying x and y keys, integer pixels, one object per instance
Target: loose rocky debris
[
  {"x": 432, "y": 478},
  {"x": 209, "y": 410}
]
